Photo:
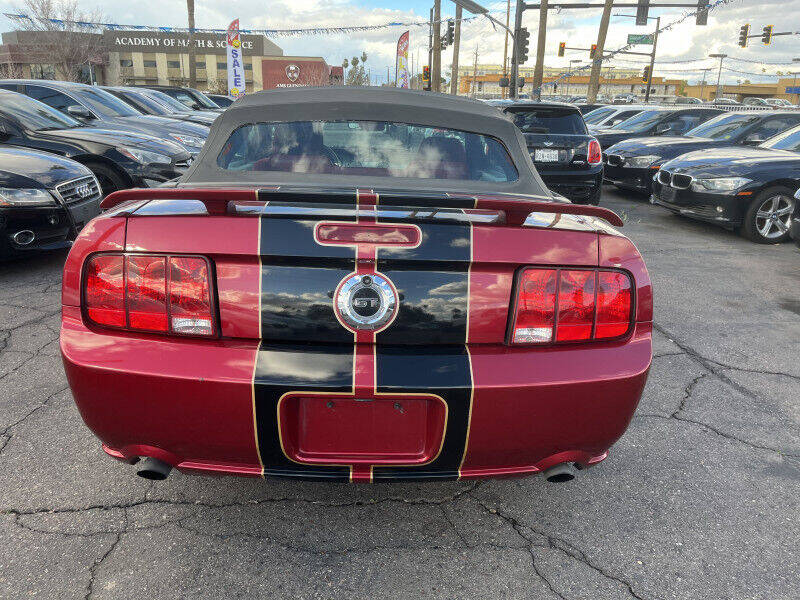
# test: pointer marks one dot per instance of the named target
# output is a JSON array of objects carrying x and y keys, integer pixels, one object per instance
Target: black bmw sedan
[
  {"x": 119, "y": 159},
  {"x": 44, "y": 201},
  {"x": 749, "y": 189},
  {"x": 655, "y": 121},
  {"x": 631, "y": 164}
]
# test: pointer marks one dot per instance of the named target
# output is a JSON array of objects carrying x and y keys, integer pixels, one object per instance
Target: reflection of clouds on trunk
[
  {"x": 325, "y": 367},
  {"x": 450, "y": 289}
]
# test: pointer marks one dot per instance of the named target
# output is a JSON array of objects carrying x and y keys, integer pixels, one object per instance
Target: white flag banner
[{"x": 236, "y": 84}]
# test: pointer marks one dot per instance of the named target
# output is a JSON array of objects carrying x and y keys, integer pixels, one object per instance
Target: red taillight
[
  {"x": 613, "y": 304},
  {"x": 536, "y": 305},
  {"x": 104, "y": 298},
  {"x": 563, "y": 305},
  {"x": 595, "y": 155},
  {"x": 144, "y": 292}
]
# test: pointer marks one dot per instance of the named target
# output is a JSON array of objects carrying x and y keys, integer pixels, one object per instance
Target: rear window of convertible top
[{"x": 370, "y": 148}]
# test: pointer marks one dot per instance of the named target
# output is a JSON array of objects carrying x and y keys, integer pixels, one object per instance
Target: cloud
[{"x": 576, "y": 27}]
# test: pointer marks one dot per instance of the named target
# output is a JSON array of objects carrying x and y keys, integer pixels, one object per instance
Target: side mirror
[
  {"x": 753, "y": 140},
  {"x": 80, "y": 112}
]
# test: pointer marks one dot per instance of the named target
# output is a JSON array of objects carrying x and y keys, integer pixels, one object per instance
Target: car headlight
[
  {"x": 144, "y": 156},
  {"x": 188, "y": 141},
  {"x": 719, "y": 185},
  {"x": 641, "y": 162},
  {"x": 25, "y": 197}
]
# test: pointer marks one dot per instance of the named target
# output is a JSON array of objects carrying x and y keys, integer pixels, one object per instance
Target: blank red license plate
[{"x": 384, "y": 430}]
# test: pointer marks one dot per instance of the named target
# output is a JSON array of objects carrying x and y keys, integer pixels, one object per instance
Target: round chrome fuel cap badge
[{"x": 366, "y": 301}]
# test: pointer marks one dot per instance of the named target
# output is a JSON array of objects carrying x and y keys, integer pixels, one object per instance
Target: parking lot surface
[{"x": 699, "y": 499}]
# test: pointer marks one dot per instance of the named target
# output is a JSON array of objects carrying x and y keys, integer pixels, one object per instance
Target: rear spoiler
[{"x": 516, "y": 208}]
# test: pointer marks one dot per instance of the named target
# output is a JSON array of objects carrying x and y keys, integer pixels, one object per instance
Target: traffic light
[
  {"x": 641, "y": 12},
  {"x": 523, "y": 39},
  {"x": 593, "y": 51},
  {"x": 426, "y": 78},
  {"x": 561, "y": 47},
  {"x": 451, "y": 32},
  {"x": 744, "y": 32},
  {"x": 766, "y": 35},
  {"x": 646, "y": 74}
]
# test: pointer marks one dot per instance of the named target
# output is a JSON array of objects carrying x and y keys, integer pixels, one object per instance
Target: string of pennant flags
[{"x": 25, "y": 20}]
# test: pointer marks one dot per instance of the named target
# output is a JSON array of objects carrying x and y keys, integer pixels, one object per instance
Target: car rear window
[
  {"x": 548, "y": 120},
  {"x": 369, "y": 148}
]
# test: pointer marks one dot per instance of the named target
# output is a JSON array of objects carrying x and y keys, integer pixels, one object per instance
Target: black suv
[{"x": 568, "y": 159}]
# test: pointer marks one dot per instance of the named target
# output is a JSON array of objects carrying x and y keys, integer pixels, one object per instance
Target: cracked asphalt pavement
[{"x": 699, "y": 499}]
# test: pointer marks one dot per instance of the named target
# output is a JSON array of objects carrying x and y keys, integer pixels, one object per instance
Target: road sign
[
  {"x": 643, "y": 38},
  {"x": 793, "y": 90}
]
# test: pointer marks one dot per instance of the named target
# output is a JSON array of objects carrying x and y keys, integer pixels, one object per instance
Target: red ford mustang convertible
[{"x": 356, "y": 285}]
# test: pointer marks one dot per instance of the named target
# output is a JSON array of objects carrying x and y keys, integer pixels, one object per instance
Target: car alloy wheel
[{"x": 773, "y": 216}]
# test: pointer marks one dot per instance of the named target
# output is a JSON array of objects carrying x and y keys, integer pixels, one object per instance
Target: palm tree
[{"x": 192, "y": 61}]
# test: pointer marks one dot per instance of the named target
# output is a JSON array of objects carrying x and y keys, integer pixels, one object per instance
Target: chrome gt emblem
[{"x": 365, "y": 302}]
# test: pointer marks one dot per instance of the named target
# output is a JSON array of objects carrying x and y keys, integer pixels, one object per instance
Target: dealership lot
[{"x": 698, "y": 500}]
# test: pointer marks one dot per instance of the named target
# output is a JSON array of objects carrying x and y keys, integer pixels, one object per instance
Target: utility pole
[
  {"x": 192, "y": 49},
  {"x": 430, "y": 40},
  {"x": 475, "y": 72},
  {"x": 538, "y": 72},
  {"x": 721, "y": 57},
  {"x": 512, "y": 92},
  {"x": 505, "y": 47},
  {"x": 456, "y": 45},
  {"x": 597, "y": 64},
  {"x": 436, "y": 64},
  {"x": 652, "y": 61},
  {"x": 703, "y": 84}
]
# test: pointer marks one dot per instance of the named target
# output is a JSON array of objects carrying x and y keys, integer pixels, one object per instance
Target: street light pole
[
  {"x": 476, "y": 9},
  {"x": 794, "y": 85},
  {"x": 574, "y": 61},
  {"x": 721, "y": 57}
]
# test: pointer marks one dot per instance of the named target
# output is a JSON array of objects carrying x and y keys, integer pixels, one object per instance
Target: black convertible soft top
[{"x": 364, "y": 104}]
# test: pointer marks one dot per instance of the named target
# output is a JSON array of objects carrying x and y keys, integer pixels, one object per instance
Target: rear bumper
[
  {"x": 579, "y": 185},
  {"x": 195, "y": 403}
]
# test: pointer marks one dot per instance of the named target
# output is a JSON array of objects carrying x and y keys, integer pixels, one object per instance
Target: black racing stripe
[
  {"x": 433, "y": 282},
  {"x": 425, "y": 199},
  {"x": 295, "y": 238},
  {"x": 444, "y": 371},
  {"x": 284, "y": 368},
  {"x": 297, "y": 302}
]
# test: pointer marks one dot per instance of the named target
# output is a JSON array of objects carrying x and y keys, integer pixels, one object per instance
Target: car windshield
[
  {"x": 788, "y": 140},
  {"x": 724, "y": 127},
  {"x": 108, "y": 105},
  {"x": 167, "y": 101},
  {"x": 192, "y": 98},
  {"x": 367, "y": 148},
  {"x": 548, "y": 120},
  {"x": 597, "y": 115},
  {"x": 35, "y": 115},
  {"x": 644, "y": 120},
  {"x": 152, "y": 105}
]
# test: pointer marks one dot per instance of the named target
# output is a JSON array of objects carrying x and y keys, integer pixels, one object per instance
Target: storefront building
[{"x": 162, "y": 58}]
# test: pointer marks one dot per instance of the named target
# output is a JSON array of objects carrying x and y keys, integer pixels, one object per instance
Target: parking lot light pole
[
  {"x": 476, "y": 9},
  {"x": 794, "y": 85},
  {"x": 721, "y": 57},
  {"x": 569, "y": 74}
]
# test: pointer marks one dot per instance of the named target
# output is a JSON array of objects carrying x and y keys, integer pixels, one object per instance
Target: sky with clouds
[{"x": 576, "y": 27}]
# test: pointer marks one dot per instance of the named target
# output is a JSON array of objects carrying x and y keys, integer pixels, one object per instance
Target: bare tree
[
  {"x": 66, "y": 45},
  {"x": 192, "y": 49}
]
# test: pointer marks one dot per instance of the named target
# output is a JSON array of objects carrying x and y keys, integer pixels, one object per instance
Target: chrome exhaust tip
[
  {"x": 24, "y": 237},
  {"x": 154, "y": 469},
  {"x": 560, "y": 473}
]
